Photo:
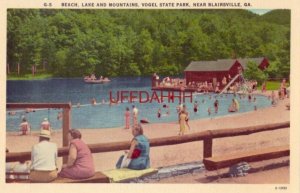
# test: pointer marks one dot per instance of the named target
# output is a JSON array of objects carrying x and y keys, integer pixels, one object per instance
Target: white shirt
[{"x": 44, "y": 156}]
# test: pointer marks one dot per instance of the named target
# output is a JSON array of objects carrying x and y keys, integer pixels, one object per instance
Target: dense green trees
[{"x": 74, "y": 43}]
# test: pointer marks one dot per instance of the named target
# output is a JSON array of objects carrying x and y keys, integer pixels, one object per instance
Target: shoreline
[
  {"x": 208, "y": 117},
  {"x": 180, "y": 153}
]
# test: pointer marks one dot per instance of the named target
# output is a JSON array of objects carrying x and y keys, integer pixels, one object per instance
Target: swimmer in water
[{"x": 159, "y": 113}]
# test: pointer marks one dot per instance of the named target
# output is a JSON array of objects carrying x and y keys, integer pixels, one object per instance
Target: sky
[{"x": 259, "y": 11}]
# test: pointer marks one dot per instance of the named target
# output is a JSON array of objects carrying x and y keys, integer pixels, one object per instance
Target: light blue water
[{"x": 103, "y": 115}]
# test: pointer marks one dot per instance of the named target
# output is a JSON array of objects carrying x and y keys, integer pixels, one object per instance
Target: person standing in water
[
  {"x": 24, "y": 127},
  {"x": 135, "y": 112},
  {"x": 216, "y": 105},
  {"x": 195, "y": 107},
  {"x": 45, "y": 125},
  {"x": 159, "y": 113},
  {"x": 127, "y": 118}
]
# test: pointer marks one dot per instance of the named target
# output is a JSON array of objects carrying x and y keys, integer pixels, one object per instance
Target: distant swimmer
[
  {"x": 195, "y": 107},
  {"x": 93, "y": 101},
  {"x": 159, "y": 113},
  {"x": 78, "y": 105},
  {"x": 216, "y": 105},
  {"x": 209, "y": 111},
  {"x": 29, "y": 110},
  {"x": 12, "y": 113}
]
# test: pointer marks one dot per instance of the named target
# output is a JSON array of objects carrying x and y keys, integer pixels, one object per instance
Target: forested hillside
[{"x": 73, "y": 43}]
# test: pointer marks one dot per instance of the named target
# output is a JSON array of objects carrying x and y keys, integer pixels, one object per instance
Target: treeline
[{"x": 73, "y": 43}]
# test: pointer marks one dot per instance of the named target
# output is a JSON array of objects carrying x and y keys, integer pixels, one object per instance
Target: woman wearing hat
[
  {"x": 43, "y": 159},
  {"x": 80, "y": 160}
]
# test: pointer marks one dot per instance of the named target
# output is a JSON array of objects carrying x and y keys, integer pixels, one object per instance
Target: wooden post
[
  {"x": 66, "y": 124},
  {"x": 207, "y": 147}
]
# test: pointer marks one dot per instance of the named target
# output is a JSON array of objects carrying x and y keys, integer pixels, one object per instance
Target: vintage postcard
[{"x": 147, "y": 96}]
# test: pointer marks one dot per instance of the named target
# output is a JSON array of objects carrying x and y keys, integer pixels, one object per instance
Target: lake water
[{"x": 63, "y": 90}]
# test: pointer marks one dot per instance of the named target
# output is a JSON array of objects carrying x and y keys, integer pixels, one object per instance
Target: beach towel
[{"x": 123, "y": 174}]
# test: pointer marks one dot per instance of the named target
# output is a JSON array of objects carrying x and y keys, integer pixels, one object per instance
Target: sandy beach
[{"x": 183, "y": 153}]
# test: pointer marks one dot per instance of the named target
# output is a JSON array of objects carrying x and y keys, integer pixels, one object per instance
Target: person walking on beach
[
  {"x": 182, "y": 121},
  {"x": 43, "y": 159},
  {"x": 24, "y": 127},
  {"x": 45, "y": 125},
  {"x": 127, "y": 118},
  {"x": 135, "y": 112}
]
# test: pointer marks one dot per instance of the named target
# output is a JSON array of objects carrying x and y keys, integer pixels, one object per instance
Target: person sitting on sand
[
  {"x": 45, "y": 125},
  {"x": 195, "y": 107},
  {"x": 137, "y": 158},
  {"x": 24, "y": 127},
  {"x": 43, "y": 159},
  {"x": 80, "y": 163}
]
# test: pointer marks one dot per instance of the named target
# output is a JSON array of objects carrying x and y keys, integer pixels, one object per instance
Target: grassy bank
[
  {"x": 273, "y": 85},
  {"x": 38, "y": 76}
]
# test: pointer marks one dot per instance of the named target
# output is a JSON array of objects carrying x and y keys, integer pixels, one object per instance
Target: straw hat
[{"x": 45, "y": 133}]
